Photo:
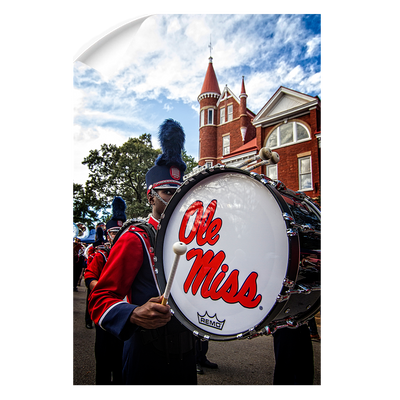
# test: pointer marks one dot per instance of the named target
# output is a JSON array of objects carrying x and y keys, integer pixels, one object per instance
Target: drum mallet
[
  {"x": 179, "y": 249},
  {"x": 273, "y": 160},
  {"x": 264, "y": 154}
]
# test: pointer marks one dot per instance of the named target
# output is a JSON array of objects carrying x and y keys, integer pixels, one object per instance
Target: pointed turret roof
[
  {"x": 243, "y": 91},
  {"x": 210, "y": 84}
]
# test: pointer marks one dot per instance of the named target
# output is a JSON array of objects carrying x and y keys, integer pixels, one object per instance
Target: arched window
[{"x": 286, "y": 134}]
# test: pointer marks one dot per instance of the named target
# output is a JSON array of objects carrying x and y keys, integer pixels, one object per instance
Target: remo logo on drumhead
[{"x": 237, "y": 254}]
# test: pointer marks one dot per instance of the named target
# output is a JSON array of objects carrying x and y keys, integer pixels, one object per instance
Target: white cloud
[
  {"x": 168, "y": 107},
  {"x": 90, "y": 139},
  {"x": 313, "y": 46},
  {"x": 169, "y": 59}
]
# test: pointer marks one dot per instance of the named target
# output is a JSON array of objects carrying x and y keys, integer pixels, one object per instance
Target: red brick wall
[
  {"x": 288, "y": 165},
  {"x": 208, "y": 144},
  {"x": 211, "y": 143}
]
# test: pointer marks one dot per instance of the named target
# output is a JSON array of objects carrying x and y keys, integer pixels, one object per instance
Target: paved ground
[{"x": 245, "y": 362}]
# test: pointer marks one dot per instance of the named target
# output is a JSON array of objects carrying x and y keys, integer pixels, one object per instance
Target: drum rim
[{"x": 292, "y": 263}]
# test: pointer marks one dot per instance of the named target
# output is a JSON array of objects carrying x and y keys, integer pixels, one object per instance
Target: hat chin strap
[{"x": 154, "y": 193}]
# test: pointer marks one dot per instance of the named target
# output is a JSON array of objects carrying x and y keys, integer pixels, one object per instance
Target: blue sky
[{"x": 162, "y": 74}]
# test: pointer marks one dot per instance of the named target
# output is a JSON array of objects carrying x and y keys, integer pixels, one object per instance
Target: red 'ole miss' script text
[{"x": 203, "y": 273}]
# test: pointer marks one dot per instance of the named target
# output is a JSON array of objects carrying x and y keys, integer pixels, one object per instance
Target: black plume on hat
[
  {"x": 172, "y": 139},
  {"x": 118, "y": 207},
  {"x": 118, "y": 217},
  {"x": 99, "y": 237}
]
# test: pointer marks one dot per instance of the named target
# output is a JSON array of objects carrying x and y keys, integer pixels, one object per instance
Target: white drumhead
[{"x": 253, "y": 242}]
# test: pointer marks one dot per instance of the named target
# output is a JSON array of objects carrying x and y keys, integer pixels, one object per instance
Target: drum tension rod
[{"x": 300, "y": 289}]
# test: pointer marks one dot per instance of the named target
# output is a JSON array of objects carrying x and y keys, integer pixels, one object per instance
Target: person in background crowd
[
  {"x": 90, "y": 253},
  {"x": 108, "y": 348},
  {"x": 201, "y": 358},
  {"x": 294, "y": 356},
  {"x": 312, "y": 326},
  {"x": 79, "y": 263}
]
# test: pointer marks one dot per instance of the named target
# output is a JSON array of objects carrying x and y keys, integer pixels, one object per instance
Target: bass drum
[{"x": 253, "y": 255}]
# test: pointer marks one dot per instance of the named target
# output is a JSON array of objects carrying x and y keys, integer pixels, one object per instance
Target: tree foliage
[
  {"x": 120, "y": 171},
  {"x": 85, "y": 205}
]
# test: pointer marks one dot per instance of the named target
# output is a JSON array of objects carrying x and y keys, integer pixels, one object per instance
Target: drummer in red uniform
[{"x": 127, "y": 300}]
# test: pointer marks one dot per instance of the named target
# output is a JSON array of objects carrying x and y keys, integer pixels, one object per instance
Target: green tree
[
  {"x": 189, "y": 161},
  {"x": 84, "y": 206},
  {"x": 120, "y": 171}
]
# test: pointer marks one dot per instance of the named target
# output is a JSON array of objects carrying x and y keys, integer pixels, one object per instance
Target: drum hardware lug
[
  {"x": 301, "y": 289},
  {"x": 155, "y": 258},
  {"x": 206, "y": 338},
  {"x": 172, "y": 311},
  {"x": 264, "y": 181},
  {"x": 287, "y": 311},
  {"x": 306, "y": 228},
  {"x": 271, "y": 328},
  {"x": 256, "y": 334},
  {"x": 252, "y": 333},
  {"x": 304, "y": 289},
  {"x": 156, "y": 271},
  {"x": 291, "y": 232},
  {"x": 240, "y": 336},
  {"x": 287, "y": 217},
  {"x": 195, "y": 333},
  {"x": 288, "y": 283},
  {"x": 283, "y": 297},
  {"x": 268, "y": 330},
  {"x": 291, "y": 323}
]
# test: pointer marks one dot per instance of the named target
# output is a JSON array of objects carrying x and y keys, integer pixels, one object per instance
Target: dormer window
[
  {"x": 222, "y": 115},
  {"x": 230, "y": 112},
  {"x": 286, "y": 134}
]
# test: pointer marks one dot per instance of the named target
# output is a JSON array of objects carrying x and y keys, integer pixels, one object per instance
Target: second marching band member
[
  {"x": 108, "y": 348},
  {"x": 157, "y": 348}
]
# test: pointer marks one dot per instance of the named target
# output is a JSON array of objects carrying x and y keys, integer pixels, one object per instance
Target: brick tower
[{"x": 208, "y": 99}]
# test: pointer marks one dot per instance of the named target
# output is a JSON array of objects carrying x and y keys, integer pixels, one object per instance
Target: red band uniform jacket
[
  {"x": 128, "y": 280},
  {"x": 123, "y": 276}
]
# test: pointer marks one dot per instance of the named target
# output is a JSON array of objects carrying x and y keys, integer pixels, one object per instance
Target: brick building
[{"x": 289, "y": 124}]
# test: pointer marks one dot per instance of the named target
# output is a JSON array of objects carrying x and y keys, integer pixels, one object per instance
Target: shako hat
[
  {"x": 169, "y": 167},
  {"x": 99, "y": 237},
  {"x": 119, "y": 217}
]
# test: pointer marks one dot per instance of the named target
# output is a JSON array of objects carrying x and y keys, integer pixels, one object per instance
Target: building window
[
  {"x": 272, "y": 171},
  {"x": 226, "y": 145},
  {"x": 286, "y": 134},
  {"x": 230, "y": 112},
  {"x": 210, "y": 113},
  {"x": 207, "y": 117},
  {"x": 222, "y": 115},
  {"x": 209, "y": 164},
  {"x": 305, "y": 175}
]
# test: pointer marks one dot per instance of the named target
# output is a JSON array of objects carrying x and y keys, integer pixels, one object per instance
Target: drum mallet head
[
  {"x": 179, "y": 248},
  {"x": 275, "y": 158},
  {"x": 265, "y": 153}
]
